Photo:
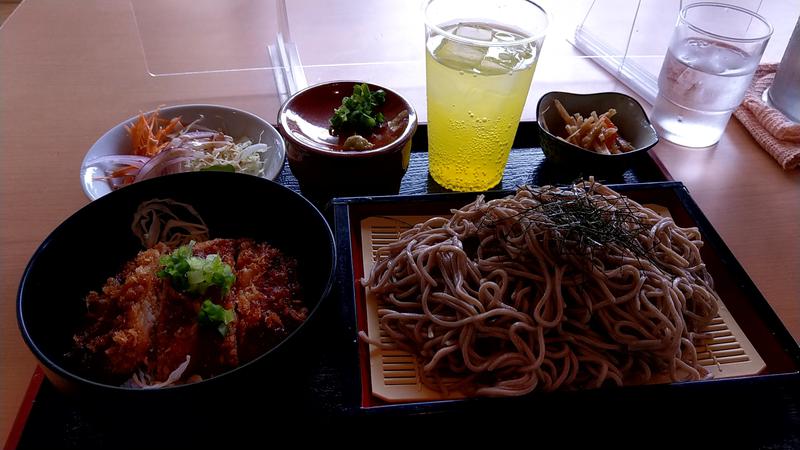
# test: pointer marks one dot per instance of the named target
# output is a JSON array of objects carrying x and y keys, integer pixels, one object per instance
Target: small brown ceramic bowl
[
  {"x": 631, "y": 120},
  {"x": 315, "y": 156}
]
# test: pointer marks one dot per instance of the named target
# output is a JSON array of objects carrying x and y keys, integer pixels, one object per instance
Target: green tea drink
[{"x": 476, "y": 94}]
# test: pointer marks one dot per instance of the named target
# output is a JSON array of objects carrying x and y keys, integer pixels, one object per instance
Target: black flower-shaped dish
[{"x": 631, "y": 120}]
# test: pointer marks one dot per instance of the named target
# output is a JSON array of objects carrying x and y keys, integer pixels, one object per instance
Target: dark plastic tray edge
[{"x": 341, "y": 207}]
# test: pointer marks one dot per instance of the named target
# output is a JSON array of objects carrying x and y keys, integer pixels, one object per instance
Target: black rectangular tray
[
  {"x": 323, "y": 384},
  {"x": 758, "y": 403},
  {"x": 526, "y": 165}
]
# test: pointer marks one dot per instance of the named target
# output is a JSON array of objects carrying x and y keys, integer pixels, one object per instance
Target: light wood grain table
[{"x": 69, "y": 71}]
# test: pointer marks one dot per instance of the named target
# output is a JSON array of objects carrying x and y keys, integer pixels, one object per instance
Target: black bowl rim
[
  {"x": 398, "y": 143},
  {"x": 597, "y": 94},
  {"x": 60, "y": 371}
]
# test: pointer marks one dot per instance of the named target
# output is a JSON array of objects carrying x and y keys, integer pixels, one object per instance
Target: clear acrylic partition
[
  {"x": 231, "y": 38},
  {"x": 183, "y": 37},
  {"x": 289, "y": 44},
  {"x": 276, "y": 47},
  {"x": 225, "y": 44},
  {"x": 383, "y": 41},
  {"x": 630, "y": 37}
]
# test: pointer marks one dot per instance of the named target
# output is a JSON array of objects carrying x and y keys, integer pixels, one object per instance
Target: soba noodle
[
  {"x": 551, "y": 288},
  {"x": 168, "y": 221}
]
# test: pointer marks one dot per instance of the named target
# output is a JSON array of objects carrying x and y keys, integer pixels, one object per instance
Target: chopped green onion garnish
[
  {"x": 193, "y": 274},
  {"x": 215, "y": 315},
  {"x": 357, "y": 113}
]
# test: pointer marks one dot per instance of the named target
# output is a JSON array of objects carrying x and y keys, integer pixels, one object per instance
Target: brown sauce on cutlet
[{"x": 139, "y": 322}]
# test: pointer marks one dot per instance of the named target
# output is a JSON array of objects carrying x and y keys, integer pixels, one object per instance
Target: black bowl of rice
[{"x": 175, "y": 285}]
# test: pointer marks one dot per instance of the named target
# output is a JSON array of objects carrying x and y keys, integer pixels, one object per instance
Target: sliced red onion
[
  {"x": 174, "y": 143},
  {"x": 158, "y": 163},
  {"x": 118, "y": 182},
  {"x": 131, "y": 160},
  {"x": 196, "y": 126},
  {"x": 222, "y": 143},
  {"x": 198, "y": 135},
  {"x": 175, "y": 165},
  {"x": 202, "y": 145},
  {"x": 142, "y": 381}
]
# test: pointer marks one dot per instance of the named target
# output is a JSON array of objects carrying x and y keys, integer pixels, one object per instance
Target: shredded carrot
[{"x": 149, "y": 137}]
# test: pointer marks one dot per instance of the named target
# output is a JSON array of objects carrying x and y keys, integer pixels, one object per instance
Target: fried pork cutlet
[
  {"x": 179, "y": 333},
  {"x": 122, "y": 317},
  {"x": 267, "y": 297},
  {"x": 140, "y": 322}
]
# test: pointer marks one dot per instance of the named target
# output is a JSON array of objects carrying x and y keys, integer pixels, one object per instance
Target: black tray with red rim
[{"x": 326, "y": 383}]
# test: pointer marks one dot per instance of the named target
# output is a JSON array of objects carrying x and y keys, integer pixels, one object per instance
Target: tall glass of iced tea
[{"x": 480, "y": 59}]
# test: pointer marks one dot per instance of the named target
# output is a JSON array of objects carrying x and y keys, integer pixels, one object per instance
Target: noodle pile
[{"x": 552, "y": 288}]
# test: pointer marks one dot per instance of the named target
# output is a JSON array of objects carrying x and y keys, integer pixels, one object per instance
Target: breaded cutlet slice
[
  {"x": 179, "y": 334},
  {"x": 267, "y": 296},
  {"x": 121, "y": 318}
]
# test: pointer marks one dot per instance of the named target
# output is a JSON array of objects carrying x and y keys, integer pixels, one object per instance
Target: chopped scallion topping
[
  {"x": 357, "y": 113},
  {"x": 212, "y": 314},
  {"x": 193, "y": 274}
]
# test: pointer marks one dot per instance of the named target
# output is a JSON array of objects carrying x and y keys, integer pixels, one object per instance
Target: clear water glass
[{"x": 714, "y": 51}]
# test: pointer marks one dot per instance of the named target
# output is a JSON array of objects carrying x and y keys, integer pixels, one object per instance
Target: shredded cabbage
[{"x": 244, "y": 156}]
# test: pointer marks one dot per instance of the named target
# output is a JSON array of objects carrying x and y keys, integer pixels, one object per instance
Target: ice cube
[
  {"x": 462, "y": 56},
  {"x": 496, "y": 66},
  {"x": 687, "y": 83},
  {"x": 501, "y": 60},
  {"x": 504, "y": 36},
  {"x": 459, "y": 56},
  {"x": 474, "y": 31}
]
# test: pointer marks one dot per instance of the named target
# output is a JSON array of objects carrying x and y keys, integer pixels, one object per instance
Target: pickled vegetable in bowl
[
  {"x": 358, "y": 119},
  {"x": 317, "y": 123},
  {"x": 361, "y": 124},
  {"x": 581, "y": 132}
]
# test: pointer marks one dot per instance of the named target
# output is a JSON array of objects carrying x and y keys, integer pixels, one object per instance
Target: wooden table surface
[{"x": 69, "y": 71}]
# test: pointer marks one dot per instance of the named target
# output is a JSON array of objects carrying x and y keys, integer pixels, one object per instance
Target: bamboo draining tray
[{"x": 394, "y": 374}]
